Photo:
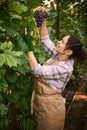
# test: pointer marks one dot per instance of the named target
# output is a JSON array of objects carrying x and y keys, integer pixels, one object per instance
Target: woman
[{"x": 51, "y": 79}]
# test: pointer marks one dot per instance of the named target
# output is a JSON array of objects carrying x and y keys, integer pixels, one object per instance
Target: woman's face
[{"x": 61, "y": 46}]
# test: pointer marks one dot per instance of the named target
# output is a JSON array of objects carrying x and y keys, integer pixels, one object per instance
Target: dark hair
[{"x": 77, "y": 47}]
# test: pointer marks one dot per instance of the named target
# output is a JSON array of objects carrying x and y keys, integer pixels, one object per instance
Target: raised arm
[
  {"x": 43, "y": 29},
  {"x": 45, "y": 39},
  {"x": 32, "y": 60},
  {"x": 47, "y": 43}
]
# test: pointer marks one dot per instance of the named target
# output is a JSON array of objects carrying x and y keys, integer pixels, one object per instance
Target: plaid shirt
[{"x": 56, "y": 74}]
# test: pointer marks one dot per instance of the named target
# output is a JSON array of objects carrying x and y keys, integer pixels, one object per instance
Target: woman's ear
[{"x": 69, "y": 52}]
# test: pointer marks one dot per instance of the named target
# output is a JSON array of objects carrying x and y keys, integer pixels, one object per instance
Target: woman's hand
[{"x": 40, "y": 8}]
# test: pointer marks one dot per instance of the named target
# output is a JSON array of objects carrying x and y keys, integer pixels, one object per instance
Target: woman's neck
[{"x": 63, "y": 58}]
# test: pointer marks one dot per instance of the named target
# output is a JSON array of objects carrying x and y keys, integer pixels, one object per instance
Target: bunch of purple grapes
[{"x": 40, "y": 16}]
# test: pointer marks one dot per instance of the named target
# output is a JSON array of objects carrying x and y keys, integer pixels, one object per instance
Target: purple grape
[{"x": 40, "y": 16}]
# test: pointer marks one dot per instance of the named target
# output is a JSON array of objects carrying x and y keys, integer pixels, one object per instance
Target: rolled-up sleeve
[
  {"x": 48, "y": 45},
  {"x": 50, "y": 72}
]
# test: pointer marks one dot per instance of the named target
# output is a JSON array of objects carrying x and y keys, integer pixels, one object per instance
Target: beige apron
[{"x": 48, "y": 106}]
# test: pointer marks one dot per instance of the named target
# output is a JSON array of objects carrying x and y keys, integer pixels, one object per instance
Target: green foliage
[
  {"x": 16, "y": 80},
  {"x": 7, "y": 56},
  {"x": 18, "y": 35},
  {"x": 16, "y": 6},
  {"x": 28, "y": 125},
  {"x": 3, "y": 110}
]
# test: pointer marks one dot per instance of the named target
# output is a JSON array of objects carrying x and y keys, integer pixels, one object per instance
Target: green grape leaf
[
  {"x": 22, "y": 45},
  {"x": 3, "y": 109},
  {"x": 11, "y": 76},
  {"x": 17, "y": 7},
  {"x": 3, "y": 85},
  {"x": 6, "y": 46},
  {"x": 2, "y": 71},
  {"x": 10, "y": 58},
  {"x": 2, "y": 59},
  {"x": 23, "y": 103},
  {"x": 13, "y": 97}
]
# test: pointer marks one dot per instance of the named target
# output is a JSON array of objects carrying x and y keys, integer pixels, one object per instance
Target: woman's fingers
[{"x": 40, "y": 8}]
